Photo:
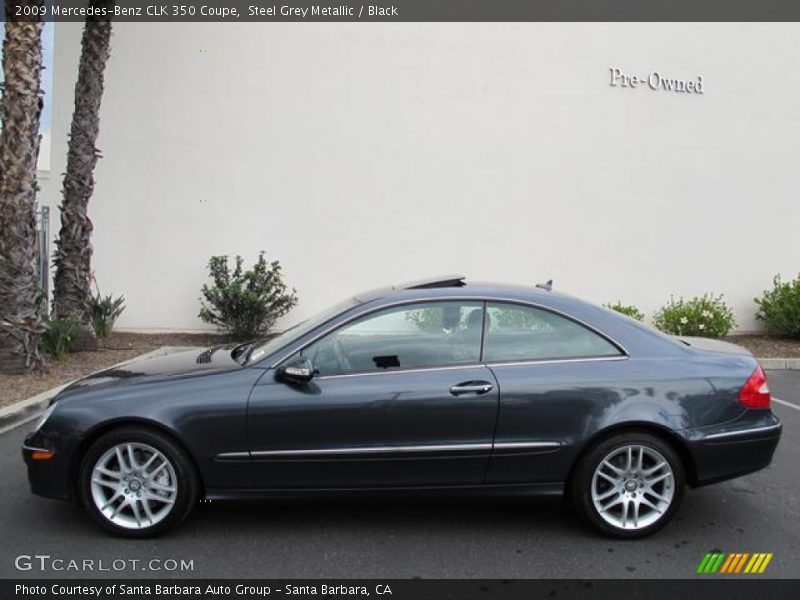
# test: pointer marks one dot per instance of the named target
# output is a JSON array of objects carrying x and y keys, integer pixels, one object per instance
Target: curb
[
  {"x": 774, "y": 364},
  {"x": 16, "y": 414}
]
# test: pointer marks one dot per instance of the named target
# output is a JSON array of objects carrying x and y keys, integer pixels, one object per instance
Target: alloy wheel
[
  {"x": 134, "y": 485},
  {"x": 632, "y": 487}
]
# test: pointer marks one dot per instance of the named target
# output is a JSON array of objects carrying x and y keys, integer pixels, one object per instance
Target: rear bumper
[{"x": 733, "y": 449}]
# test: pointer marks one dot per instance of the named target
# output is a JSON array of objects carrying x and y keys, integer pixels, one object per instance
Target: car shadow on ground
[
  {"x": 410, "y": 517},
  {"x": 300, "y": 516},
  {"x": 392, "y": 513}
]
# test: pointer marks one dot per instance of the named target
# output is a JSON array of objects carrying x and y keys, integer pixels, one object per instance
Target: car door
[
  {"x": 400, "y": 398},
  {"x": 556, "y": 377}
]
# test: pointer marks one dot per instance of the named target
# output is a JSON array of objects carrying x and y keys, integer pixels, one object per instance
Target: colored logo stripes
[{"x": 735, "y": 562}]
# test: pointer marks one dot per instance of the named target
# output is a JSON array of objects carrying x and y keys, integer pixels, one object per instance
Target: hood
[
  {"x": 181, "y": 364},
  {"x": 711, "y": 345}
]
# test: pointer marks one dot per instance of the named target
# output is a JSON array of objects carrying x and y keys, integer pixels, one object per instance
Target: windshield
[{"x": 264, "y": 348}]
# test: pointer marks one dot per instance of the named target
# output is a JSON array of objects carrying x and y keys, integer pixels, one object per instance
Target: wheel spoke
[
  {"x": 641, "y": 458},
  {"x": 157, "y": 470},
  {"x": 121, "y": 459},
  {"x": 612, "y": 492},
  {"x": 660, "y": 465},
  {"x": 635, "y": 512},
  {"x": 629, "y": 460},
  {"x": 109, "y": 484},
  {"x": 608, "y": 465},
  {"x": 131, "y": 457},
  {"x": 656, "y": 495},
  {"x": 643, "y": 499},
  {"x": 613, "y": 503},
  {"x": 111, "y": 500},
  {"x": 162, "y": 488},
  {"x": 149, "y": 462},
  {"x": 119, "y": 507},
  {"x": 158, "y": 498},
  {"x": 146, "y": 506},
  {"x": 614, "y": 480},
  {"x": 651, "y": 482},
  {"x": 109, "y": 473},
  {"x": 625, "y": 504},
  {"x": 136, "y": 514}
]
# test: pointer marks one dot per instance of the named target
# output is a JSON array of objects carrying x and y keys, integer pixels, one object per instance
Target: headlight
[{"x": 44, "y": 417}]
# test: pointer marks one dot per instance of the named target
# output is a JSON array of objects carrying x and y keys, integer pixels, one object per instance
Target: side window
[
  {"x": 429, "y": 334},
  {"x": 516, "y": 332}
]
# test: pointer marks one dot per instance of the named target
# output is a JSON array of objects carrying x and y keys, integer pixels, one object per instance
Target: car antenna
[{"x": 546, "y": 286}]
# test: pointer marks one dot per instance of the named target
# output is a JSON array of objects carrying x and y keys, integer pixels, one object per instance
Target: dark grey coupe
[{"x": 433, "y": 386}]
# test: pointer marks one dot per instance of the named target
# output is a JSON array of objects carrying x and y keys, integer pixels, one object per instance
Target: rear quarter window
[{"x": 518, "y": 333}]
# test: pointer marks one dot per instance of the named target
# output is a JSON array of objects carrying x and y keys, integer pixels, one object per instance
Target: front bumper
[
  {"x": 733, "y": 449},
  {"x": 51, "y": 477}
]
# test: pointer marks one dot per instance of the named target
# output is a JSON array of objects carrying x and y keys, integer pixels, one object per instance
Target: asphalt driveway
[{"x": 420, "y": 538}]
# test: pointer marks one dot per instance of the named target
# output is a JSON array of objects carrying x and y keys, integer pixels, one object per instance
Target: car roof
[
  {"x": 626, "y": 333},
  {"x": 453, "y": 285}
]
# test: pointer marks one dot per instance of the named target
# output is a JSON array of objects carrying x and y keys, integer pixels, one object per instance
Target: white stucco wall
[{"x": 366, "y": 154}]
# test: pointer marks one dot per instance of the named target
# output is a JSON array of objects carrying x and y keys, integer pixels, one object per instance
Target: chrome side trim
[
  {"x": 398, "y": 371},
  {"x": 544, "y": 361},
  {"x": 232, "y": 456},
  {"x": 526, "y": 445},
  {"x": 371, "y": 450},
  {"x": 466, "y": 298},
  {"x": 550, "y": 361},
  {"x": 742, "y": 432},
  {"x": 388, "y": 450}
]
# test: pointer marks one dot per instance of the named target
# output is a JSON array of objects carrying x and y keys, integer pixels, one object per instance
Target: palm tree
[
  {"x": 72, "y": 285},
  {"x": 21, "y": 108}
]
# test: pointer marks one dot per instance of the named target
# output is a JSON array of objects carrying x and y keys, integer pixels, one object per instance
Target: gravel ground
[
  {"x": 117, "y": 348},
  {"x": 767, "y": 347}
]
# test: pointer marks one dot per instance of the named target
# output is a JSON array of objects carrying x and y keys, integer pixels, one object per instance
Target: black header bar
[
  {"x": 408, "y": 10},
  {"x": 740, "y": 588}
]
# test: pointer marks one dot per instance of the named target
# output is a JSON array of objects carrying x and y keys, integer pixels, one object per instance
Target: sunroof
[{"x": 434, "y": 282}]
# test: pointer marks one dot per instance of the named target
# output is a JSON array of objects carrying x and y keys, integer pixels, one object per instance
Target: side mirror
[{"x": 298, "y": 370}]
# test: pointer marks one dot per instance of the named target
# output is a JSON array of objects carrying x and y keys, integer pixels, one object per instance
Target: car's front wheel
[
  {"x": 137, "y": 482},
  {"x": 629, "y": 485}
]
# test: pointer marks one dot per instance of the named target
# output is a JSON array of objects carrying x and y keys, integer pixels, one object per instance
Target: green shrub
[
  {"x": 245, "y": 304},
  {"x": 706, "y": 316},
  {"x": 779, "y": 308},
  {"x": 104, "y": 312},
  {"x": 59, "y": 336},
  {"x": 626, "y": 309}
]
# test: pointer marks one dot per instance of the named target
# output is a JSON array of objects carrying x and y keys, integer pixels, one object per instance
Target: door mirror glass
[{"x": 297, "y": 370}]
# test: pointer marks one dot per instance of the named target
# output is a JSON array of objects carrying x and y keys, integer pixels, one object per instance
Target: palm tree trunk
[
  {"x": 20, "y": 293},
  {"x": 72, "y": 285}
]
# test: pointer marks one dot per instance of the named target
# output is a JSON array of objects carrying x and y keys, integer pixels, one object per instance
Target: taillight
[{"x": 755, "y": 393}]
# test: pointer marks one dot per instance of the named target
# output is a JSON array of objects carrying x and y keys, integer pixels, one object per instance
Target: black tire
[
  {"x": 188, "y": 487},
  {"x": 580, "y": 488}
]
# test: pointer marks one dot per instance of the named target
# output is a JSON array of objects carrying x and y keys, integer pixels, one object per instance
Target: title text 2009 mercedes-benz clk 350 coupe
[{"x": 436, "y": 386}]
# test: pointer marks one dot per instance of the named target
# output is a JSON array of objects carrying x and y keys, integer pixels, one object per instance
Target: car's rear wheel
[
  {"x": 137, "y": 482},
  {"x": 629, "y": 485}
]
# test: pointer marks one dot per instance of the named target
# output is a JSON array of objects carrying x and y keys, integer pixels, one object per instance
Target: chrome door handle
[{"x": 471, "y": 388}]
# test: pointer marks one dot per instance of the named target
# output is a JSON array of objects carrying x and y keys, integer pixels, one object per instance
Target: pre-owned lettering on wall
[{"x": 656, "y": 80}]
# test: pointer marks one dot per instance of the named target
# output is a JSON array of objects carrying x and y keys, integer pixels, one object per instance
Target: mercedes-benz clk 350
[{"x": 441, "y": 386}]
